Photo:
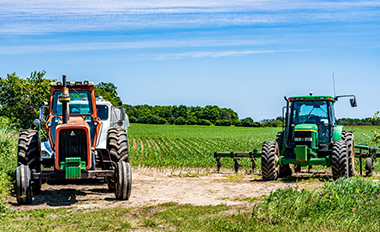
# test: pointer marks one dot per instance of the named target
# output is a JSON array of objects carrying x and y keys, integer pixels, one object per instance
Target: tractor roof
[
  {"x": 312, "y": 98},
  {"x": 73, "y": 84}
]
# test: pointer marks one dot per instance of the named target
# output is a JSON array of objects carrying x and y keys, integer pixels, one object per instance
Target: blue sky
[{"x": 245, "y": 55}]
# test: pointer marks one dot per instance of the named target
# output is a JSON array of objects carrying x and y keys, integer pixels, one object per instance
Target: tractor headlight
[
  {"x": 303, "y": 139},
  {"x": 96, "y": 123},
  {"x": 49, "y": 124}
]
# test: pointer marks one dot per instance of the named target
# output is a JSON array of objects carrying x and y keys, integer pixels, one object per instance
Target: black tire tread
[
  {"x": 29, "y": 154},
  {"x": 339, "y": 159},
  {"x": 268, "y": 165},
  {"x": 124, "y": 181},
  {"x": 117, "y": 144},
  {"x": 348, "y": 136},
  {"x": 23, "y": 187}
]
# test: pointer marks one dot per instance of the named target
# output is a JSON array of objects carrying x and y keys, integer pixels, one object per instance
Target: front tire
[
  {"x": 348, "y": 136},
  {"x": 23, "y": 185},
  {"x": 269, "y": 153},
  {"x": 123, "y": 184},
  {"x": 29, "y": 154},
  {"x": 339, "y": 159}
]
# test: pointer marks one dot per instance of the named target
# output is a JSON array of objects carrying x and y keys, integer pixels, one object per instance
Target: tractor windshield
[
  {"x": 313, "y": 112},
  {"x": 80, "y": 103}
]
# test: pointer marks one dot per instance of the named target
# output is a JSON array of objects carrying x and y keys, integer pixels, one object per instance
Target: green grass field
[
  {"x": 193, "y": 146},
  {"x": 348, "y": 205}
]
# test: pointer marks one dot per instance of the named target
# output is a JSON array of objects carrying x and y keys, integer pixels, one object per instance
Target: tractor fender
[{"x": 337, "y": 133}]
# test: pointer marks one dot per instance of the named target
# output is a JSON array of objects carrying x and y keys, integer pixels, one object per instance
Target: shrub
[
  {"x": 171, "y": 120},
  {"x": 223, "y": 123},
  {"x": 180, "y": 121},
  {"x": 204, "y": 122},
  {"x": 274, "y": 123},
  {"x": 132, "y": 119},
  {"x": 152, "y": 119},
  {"x": 247, "y": 122},
  {"x": 191, "y": 121},
  {"x": 8, "y": 159}
]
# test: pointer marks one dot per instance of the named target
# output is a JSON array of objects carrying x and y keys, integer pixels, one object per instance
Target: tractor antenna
[{"x": 334, "y": 84}]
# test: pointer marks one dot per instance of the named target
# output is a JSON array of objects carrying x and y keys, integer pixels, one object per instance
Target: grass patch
[
  {"x": 346, "y": 205},
  {"x": 8, "y": 160}
]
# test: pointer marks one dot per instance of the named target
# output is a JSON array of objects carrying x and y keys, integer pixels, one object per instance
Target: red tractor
[{"x": 73, "y": 129}]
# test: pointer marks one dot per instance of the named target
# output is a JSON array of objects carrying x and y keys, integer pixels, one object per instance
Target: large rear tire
[
  {"x": 269, "y": 154},
  {"x": 23, "y": 185},
  {"x": 117, "y": 144},
  {"x": 280, "y": 139},
  {"x": 123, "y": 186},
  {"x": 29, "y": 154},
  {"x": 339, "y": 158},
  {"x": 348, "y": 136}
]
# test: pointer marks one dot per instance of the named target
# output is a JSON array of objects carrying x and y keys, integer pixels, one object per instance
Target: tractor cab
[
  {"x": 311, "y": 121},
  {"x": 80, "y": 106}
]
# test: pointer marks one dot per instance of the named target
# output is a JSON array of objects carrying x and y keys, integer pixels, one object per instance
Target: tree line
[{"x": 21, "y": 98}]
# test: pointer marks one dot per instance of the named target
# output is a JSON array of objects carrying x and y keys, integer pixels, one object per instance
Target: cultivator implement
[
  {"x": 370, "y": 155},
  {"x": 236, "y": 156}
]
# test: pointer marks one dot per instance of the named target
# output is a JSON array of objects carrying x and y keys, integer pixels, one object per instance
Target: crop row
[{"x": 193, "y": 146}]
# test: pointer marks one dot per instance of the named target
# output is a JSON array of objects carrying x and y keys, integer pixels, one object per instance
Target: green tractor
[{"x": 311, "y": 136}]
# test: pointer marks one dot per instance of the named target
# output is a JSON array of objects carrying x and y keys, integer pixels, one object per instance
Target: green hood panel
[
  {"x": 306, "y": 127},
  {"x": 337, "y": 133}
]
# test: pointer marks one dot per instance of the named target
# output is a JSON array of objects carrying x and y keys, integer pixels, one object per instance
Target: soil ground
[{"x": 153, "y": 186}]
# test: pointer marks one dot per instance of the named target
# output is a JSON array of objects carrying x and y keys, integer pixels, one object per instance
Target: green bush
[
  {"x": 171, "y": 120},
  {"x": 152, "y": 119},
  {"x": 191, "y": 121},
  {"x": 204, "y": 122},
  {"x": 223, "y": 123},
  {"x": 8, "y": 159},
  {"x": 246, "y": 122},
  {"x": 180, "y": 121},
  {"x": 274, "y": 123},
  {"x": 132, "y": 119}
]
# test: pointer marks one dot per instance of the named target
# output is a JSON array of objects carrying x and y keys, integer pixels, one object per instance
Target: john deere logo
[{"x": 72, "y": 133}]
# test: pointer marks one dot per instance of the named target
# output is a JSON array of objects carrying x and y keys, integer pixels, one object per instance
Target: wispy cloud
[
  {"x": 185, "y": 43},
  {"x": 217, "y": 54},
  {"x": 21, "y": 17}
]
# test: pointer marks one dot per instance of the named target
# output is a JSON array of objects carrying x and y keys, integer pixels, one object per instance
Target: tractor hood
[{"x": 307, "y": 127}]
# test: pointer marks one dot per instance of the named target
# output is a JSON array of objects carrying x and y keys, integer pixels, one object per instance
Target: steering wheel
[{"x": 74, "y": 110}]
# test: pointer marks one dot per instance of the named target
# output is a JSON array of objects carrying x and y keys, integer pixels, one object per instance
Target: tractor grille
[
  {"x": 302, "y": 135},
  {"x": 72, "y": 143}
]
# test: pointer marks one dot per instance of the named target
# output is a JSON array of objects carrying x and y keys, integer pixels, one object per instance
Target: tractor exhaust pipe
[{"x": 65, "y": 99}]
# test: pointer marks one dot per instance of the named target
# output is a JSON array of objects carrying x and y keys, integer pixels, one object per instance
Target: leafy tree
[
  {"x": 246, "y": 122},
  {"x": 21, "y": 99},
  {"x": 108, "y": 91}
]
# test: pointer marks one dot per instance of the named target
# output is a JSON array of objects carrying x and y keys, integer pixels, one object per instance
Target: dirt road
[{"x": 154, "y": 186}]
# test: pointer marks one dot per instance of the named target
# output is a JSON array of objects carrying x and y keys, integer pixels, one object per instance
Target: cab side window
[{"x": 102, "y": 112}]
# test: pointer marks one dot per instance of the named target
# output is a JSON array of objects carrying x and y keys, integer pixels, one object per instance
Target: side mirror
[
  {"x": 353, "y": 102},
  {"x": 44, "y": 105},
  {"x": 37, "y": 123}
]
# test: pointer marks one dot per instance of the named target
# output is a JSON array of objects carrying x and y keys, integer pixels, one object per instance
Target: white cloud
[
  {"x": 21, "y": 17},
  {"x": 133, "y": 45},
  {"x": 217, "y": 54}
]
